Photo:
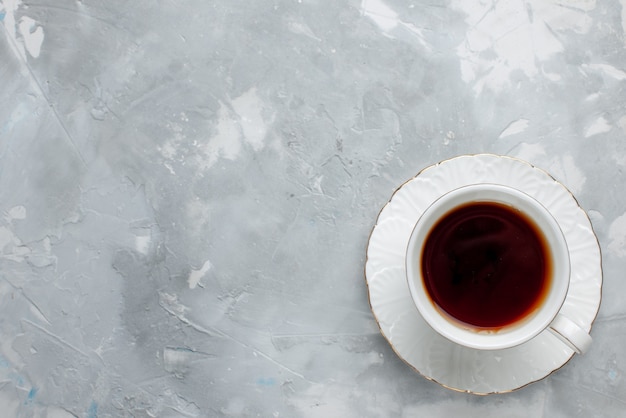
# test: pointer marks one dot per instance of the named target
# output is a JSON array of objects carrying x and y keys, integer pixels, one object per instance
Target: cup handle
[{"x": 571, "y": 334}]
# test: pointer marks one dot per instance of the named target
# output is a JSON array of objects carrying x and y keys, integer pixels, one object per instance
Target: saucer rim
[{"x": 434, "y": 166}]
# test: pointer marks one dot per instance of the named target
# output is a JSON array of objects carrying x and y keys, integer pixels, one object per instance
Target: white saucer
[{"x": 436, "y": 358}]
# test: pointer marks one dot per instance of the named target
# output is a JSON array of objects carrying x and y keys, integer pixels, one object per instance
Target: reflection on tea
[{"x": 486, "y": 265}]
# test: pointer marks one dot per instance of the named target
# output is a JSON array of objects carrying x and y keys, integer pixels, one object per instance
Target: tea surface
[{"x": 486, "y": 265}]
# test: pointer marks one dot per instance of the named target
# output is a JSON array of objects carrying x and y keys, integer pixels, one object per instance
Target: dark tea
[{"x": 486, "y": 265}]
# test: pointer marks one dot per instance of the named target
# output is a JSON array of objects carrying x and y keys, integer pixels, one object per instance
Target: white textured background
[{"x": 187, "y": 189}]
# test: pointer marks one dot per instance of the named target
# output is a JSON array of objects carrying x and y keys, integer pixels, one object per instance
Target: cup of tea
[{"x": 488, "y": 268}]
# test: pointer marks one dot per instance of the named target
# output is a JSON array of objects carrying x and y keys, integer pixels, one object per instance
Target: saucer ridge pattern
[{"x": 430, "y": 354}]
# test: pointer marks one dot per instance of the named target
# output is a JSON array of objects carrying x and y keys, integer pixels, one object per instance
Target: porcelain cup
[{"x": 546, "y": 316}]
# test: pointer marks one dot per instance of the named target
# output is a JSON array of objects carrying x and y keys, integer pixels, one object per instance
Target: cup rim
[{"x": 510, "y": 335}]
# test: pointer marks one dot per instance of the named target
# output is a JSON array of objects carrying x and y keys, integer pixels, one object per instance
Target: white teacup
[{"x": 545, "y": 313}]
